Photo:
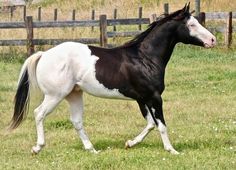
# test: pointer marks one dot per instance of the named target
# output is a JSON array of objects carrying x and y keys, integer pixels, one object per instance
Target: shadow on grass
[
  {"x": 59, "y": 124},
  {"x": 106, "y": 144},
  {"x": 120, "y": 144},
  {"x": 195, "y": 144}
]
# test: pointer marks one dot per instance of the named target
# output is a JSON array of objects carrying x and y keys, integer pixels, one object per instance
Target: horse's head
[{"x": 190, "y": 31}]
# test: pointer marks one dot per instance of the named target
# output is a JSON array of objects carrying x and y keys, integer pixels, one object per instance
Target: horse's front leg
[
  {"x": 157, "y": 114},
  {"x": 150, "y": 126}
]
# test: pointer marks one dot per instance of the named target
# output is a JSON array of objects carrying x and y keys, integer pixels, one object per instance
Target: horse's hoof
[
  {"x": 35, "y": 150},
  {"x": 94, "y": 151},
  {"x": 174, "y": 152},
  {"x": 127, "y": 144}
]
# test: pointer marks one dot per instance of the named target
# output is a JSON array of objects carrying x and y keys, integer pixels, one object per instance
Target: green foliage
[
  {"x": 199, "y": 106},
  {"x": 59, "y": 124}
]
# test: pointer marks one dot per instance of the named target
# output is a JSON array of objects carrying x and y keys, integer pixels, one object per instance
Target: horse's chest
[{"x": 147, "y": 81}]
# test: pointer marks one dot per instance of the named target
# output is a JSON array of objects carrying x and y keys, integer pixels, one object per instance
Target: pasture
[{"x": 199, "y": 108}]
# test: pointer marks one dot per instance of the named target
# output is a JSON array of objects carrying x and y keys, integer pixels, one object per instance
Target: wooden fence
[
  {"x": 227, "y": 28},
  {"x": 103, "y": 22}
]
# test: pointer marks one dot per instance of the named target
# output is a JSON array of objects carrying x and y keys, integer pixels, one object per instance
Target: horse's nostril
[{"x": 212, "y": 40}]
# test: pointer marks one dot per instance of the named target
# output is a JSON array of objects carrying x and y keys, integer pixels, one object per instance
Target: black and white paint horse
[{"x": 133, "y": 71}]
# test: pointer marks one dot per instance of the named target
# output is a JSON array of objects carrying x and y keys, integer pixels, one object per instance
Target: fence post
[
  {"x": 39, "y": 13},
  {"x": 140, "y": 14},
  {"x": 153, "y": 18},
  {"x": 73, "y": 15},
  {"x": 11, "y": 12},
  {"x": 55, "y": 14},
  {"x": 202, "y": 18},
  {"x": 115, "y": 17},
  {"x": 24, "y": 13},
  {"x": 229, "y": 30},
  {"x": 166, "y": 8},
  {"x": 30, "y": 35},
  {"x": 73, "y": 18},
  {"x": 93, "y": 17},
  {"x": 197, "y": 7},
  {"x": 103, "y": 30}
]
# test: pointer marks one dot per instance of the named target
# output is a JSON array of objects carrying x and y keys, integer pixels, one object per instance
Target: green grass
[{"x": 199, "y": 106}]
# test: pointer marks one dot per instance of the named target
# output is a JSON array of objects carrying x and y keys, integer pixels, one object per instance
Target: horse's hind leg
[
  {"x": 75, "y": 100},
  {"x": 150, "y": 126},
  {"x": 47, "y": 106}
]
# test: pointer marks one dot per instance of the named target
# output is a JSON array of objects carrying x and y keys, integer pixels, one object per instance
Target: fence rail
[
  {"x": 23, "y": 42},
  {"x": 218, "y": 15},
  {"x": 11, "y": 25},
  {"x": 102, "y": 23}
]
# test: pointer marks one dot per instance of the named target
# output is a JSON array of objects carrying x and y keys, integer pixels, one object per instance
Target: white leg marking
[
  {"x": 150, "y": 126},
  {"x": 75, "y": 100},
  {"x": 165, "y": 139},
  {"x": 48, "y": 104}
]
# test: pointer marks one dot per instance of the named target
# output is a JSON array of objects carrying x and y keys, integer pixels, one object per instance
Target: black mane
[{"x": 177, "y": 15}]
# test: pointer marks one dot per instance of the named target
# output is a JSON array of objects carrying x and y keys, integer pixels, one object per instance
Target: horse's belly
[
  {"x": 91, "y": 85},
  {"x": 105, "y": 93}
]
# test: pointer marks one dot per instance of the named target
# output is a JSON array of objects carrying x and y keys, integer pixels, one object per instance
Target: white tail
[
  {"x": 31, "y": 66},
  {"x": 27, "y": 78}
]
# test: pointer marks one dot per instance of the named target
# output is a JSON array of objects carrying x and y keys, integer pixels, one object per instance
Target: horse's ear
[
  {"x": 186, "y": 8},
  {"x": 184, "y": 12}
]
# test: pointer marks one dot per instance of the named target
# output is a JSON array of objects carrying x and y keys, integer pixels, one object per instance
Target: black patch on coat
[{"x": 137, "y": 68}]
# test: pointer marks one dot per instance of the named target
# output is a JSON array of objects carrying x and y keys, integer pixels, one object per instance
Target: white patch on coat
[
  {"x": 72, "y": 64},
  {"x": 198, "y": 31}
]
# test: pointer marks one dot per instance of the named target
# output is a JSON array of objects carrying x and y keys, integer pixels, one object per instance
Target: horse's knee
[
  {"x": 161, "y": 127},
  {"x": 78, "y": 125},
  {"x": 39, "y": 116},
  {"x": 36, "y": 110},
  {"x": 151, "y": 126}
]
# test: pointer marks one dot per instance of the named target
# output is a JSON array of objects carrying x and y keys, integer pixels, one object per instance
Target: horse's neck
[{"x": 159, "y": 47}]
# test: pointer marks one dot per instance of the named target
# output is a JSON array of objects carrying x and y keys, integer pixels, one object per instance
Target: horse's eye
[{"x": 192, "y": 25}]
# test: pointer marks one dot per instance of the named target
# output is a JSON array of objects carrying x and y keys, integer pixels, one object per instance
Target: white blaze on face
[{"x": 198, "y": 31}]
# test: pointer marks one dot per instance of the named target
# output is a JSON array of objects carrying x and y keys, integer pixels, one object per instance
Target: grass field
[
  {"x": 126, "y": 9},
  {"x": 199, "y": 106}
]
